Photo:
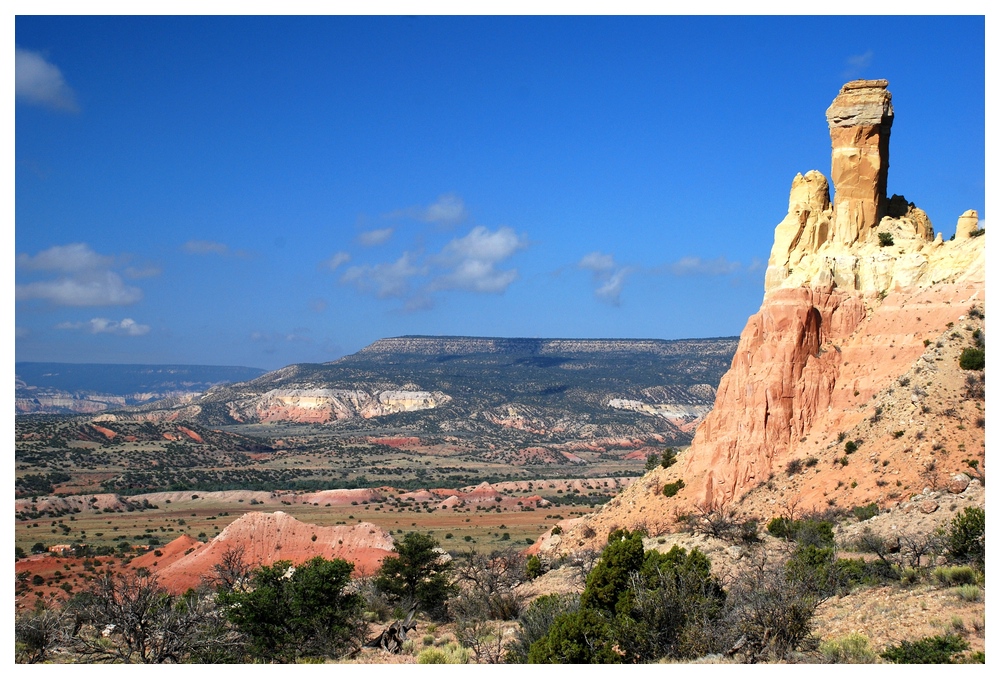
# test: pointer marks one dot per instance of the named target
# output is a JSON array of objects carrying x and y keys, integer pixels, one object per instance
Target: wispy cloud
[
  {"x": 211, "y": 247},
  {"x": 70, "y": 258},
  {"x": 97, "y": 326},
  {"x": 857, "y": 63},
  {"x": 134, "y": 272},
  {"x": 335, "y": 261},
  {"x": 390, "y": 279},
  {"x": 608, "y": 276},
  {"x": 696, "y": 266},
  {"x": 447, "y": 210},
  {"x": 38, "y": 82},
  {"x": 85, "y": 279},
  {"x": 375, "y": 237}
]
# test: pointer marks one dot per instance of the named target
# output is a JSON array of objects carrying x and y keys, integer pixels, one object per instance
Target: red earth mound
[{"x": 267, "y": 538}]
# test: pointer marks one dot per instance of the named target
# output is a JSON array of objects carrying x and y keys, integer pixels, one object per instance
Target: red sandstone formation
[
  {"x": 851, "y": 328},
  {"x": 267, "y": 538}
]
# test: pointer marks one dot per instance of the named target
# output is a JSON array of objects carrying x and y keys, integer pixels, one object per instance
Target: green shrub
[
  {"x": 533, "y": 567},
  {"x": 306, "y": 614},
  {"x": 416, "y": 572},
  {"x": 909, "y": 576},
  {"x": 853, "y": 648},
  {"x": 885, "y": 239},
  {"x": 668, "y": 458},
  {"x": 865, "y": 512},
  {"x": 536, "y": 621},
  {"x": 671, "y": 489},
  {"x": 954, "y": 575},
  {"x": 813, "y": 532},
  {"x": 972, "y": 359},
  {"x": 451, "y": 654},
  {"x": 793, "y": 467},
  {"x": 967, "y": 537},
  {"x": 969, "y": 593},
  {"x": 853, "y": 572},
  {"x": 850, "y": 447},
  {"x": 582, "y": 637},
  {"x": 609, "y": 579},
  {"x": 557, "y": 530},
  {"x": 936, "y": 650}
]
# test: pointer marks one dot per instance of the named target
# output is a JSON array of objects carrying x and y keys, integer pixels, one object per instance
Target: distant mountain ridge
[
  {"x": 437, "y": 344},
  {"x": 515, "y": 392},
  {"x": 94, "y": 387}
]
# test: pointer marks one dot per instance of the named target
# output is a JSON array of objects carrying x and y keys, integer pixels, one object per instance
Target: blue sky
[{"x": 267, "y": 191}]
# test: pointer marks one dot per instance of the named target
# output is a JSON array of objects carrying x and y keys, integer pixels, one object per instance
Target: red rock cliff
[
  {"x": 829, "y": 334},
  {"x": 860, "y": 299}
]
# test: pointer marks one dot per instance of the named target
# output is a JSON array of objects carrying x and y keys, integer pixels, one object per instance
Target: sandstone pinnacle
[{"x": 860, "y": 120}]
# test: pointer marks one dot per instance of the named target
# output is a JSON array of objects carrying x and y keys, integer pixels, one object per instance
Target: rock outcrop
[
  {"x": 267, "y": 538},
  {"x": 862, "y": 304},
  {"x": 853, "y": 291},
  {"x": 860, "y": 120}
]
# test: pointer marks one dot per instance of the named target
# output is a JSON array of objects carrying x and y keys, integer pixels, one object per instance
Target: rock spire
[{"x": 860, "y": 120}]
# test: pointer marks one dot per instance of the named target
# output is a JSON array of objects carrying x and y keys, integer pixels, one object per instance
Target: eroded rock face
[
  {"x": 327, "y": 405},
  {"x": 860, "y": 120},
  {"x": 849, "y": 324},
  {"x": 829, "y": 334}
]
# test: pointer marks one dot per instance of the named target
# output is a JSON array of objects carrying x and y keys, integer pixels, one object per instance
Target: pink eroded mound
[{"x": 267, "y": 538}]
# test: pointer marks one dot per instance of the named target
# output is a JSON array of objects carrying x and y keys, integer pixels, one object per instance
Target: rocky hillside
[
  {"x": 539, "y": 390},
  {"x": 847, "y": 386}
]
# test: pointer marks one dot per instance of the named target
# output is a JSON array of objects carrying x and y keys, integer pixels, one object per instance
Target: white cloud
[
  {"x": 857, "y": 63},
  {"x": 861, "y": 60},
  {"x": 470, "y": 261},
  {"x": 97, "y": 326},
  {"x": 688, "y": 266},
  {"x": 375, "y": 237},
  {"x": 609, "y": 276},
  {"x": 388, "y": 279},
  {"x": 448, "y": 210},
  {"x": 88, "y": 289},
  {"x": 70, "y": 258},
  {"x": 145, "y": 272},
  {"x": 336, "y": 260},
  {"x": 36, "y": 81},
  {"x": 597, "y": 261},
  {"x": 205, "y": 247}
]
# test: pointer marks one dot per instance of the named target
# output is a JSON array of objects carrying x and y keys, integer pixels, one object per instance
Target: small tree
[
  {"x": 972, "y": 359},
  {"x": 132, "y": 619},
  {"x": 536, "y": 621},
  {"x": 610, "y": 577},
  {"x": 36, "y": 633},
  {"x": 582, "y": 637},
  {"x": 294, "y": 612},
  {"x": 418, "y": 572},
  {"x": 885, "y": 239},
  {"x": 668, "y": 458},
  {"x": 967, "y": 537}
]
